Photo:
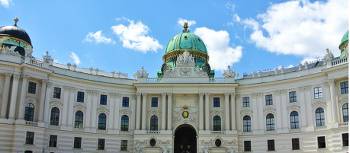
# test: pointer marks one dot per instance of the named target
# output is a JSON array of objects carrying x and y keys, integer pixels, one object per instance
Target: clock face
[{"x": 185, "y": 114}]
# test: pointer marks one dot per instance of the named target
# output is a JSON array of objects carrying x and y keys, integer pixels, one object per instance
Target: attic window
[{"x": 185, "y": 37}]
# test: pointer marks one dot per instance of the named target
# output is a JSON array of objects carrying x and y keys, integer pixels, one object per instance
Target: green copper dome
[
  {"x": 344, "y": 45},
  {"x": 345, "y": 39},
  {"x": 186, "y": 40}
]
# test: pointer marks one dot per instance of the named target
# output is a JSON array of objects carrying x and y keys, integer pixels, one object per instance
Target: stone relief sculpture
[{"x": 185, "y": 68}]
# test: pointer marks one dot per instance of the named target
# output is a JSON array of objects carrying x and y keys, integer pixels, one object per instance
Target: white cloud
[
  {"x": 135, "y": 36},
  {"x": 75, "y": 58},
  {"x": 301, "y": 27},
  {"x": 181, "y": 22},
  {"x": 98, "y": 38},
  {"x": 5, "y": 3},
  {"x": 221, "y": 53}
]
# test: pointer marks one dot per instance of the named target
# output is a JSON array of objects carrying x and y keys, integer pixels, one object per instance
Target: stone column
[
  {"x": 138, "y": 111},
  {"x": 278, "y": 116},
  {"x": 111, "y": 120},
  {"x": 94, "y": 114},
  {"x": 5, "y": 95},
  {"x": 207, "y": 116},
  {"x": 117, "y": 108},
  {"x": 227, "y": 111},
  {"x": 65, "y": 107},
  {"x": 42, "y": 100},
  {"x": 233, "y": 112},
  {"x": 301, "y": 101},
  {"x": 144, "y": 110},
  {"x": 87, "y": 114},
  {"x": 261, "y": 102},
  {"x": 13, "y": 100},
  {"x": 255, "y": 116},
  {"x": 285, "y": 113},
  {"x": 47, "y": 103},
  {"x": 133, "y": 110},
  {"x": 201, "y": 121},
  {"x": 170, "y": 111},
  {"x": 71, "y": 113},
  {"x": 163, "y": 111},
  {"x": 333, "y": 101},
  {"x": 22, "y": 98},
  {"x": 309, "y": 111}
]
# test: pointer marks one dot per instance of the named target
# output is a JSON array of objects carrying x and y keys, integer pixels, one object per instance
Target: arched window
[
  {"x": 216, "y": 123},
  {"x": 79, "y": 119},
  {"x": 154, "y": 123},
  {"x": 247, "y": 124},
  {"x": 270, "y": 122},
  {"x": 102, "y": 121},
  {"x": 294, "y": 120},
  {"x": 345, "y": 111},
  {"x": 124, "y": 126},
  {"x": 55, "y": 116},
  {"x": 29, "y": 112},
  {"x": 319, "y": 113}
]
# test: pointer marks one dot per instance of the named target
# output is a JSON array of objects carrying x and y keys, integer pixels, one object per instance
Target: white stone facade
[{"x": 183, "y": 89}]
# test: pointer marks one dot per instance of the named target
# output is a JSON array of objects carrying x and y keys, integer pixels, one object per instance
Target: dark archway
[{"x": 185, "y": 140}]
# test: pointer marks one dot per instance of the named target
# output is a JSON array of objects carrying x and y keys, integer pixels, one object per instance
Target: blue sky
[{"x": 250, "y": 35}]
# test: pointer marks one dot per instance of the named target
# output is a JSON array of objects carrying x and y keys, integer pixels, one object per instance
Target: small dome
[
  {"x": 186, "y": 40},
  {"x": 16, "y": 32}
]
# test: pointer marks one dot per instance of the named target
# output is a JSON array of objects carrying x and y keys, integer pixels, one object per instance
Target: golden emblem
[{"x": 185, "y": 114}]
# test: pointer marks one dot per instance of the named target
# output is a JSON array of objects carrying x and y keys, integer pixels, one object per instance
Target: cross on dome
[{"x": 15, "y": 20}]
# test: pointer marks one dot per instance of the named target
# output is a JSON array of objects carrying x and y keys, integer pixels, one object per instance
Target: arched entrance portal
[{"x": 185, "y": 140}]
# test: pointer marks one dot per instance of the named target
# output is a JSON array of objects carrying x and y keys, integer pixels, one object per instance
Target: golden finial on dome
[
  {"x": 185, "y": 27},
  {"x": 15, "y": 20}
]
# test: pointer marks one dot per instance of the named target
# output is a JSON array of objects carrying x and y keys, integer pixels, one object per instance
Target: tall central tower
[{"x": 186, "y": 41}]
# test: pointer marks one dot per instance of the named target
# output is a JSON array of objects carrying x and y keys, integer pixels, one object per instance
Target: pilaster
[
  {"x": 13, "y": 97},
  {"x": 5, "y": 95},
  {"x": 22, "y": 97}
]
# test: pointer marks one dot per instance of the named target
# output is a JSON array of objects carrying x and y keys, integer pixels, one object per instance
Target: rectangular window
[
  {"x": 101, "y": 144},
  {"x": 216, "y": 102},
  {"x": 80, "y": 97},
  {"x": 247, "y": 146},
  {"x": 31, "y": 87},
  {"x": 344, "y": 87},
  {"x": 321, "y": 141},
  {"x": 77, "y": 142},
  {"x": 53, "y": 141},
  {"x": 295, "y": 144},
  {"x": 270, "y": 145},
  {"x": 245, "y": 101},
  {"x": 30, "y": 138},
  {"x": 124, "y": 145},
  {"x": 317, "y": 92},
  {"x": 154, "y": 102},
  {"x": 345, "y": 139},
  {"x": 103, "y": 100},
  {"x": 268, "y": 99},
  {"x": 292, "y": 96},
  {"x": 57, "y": 92},
  {"x": 125, "y": 102}
]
